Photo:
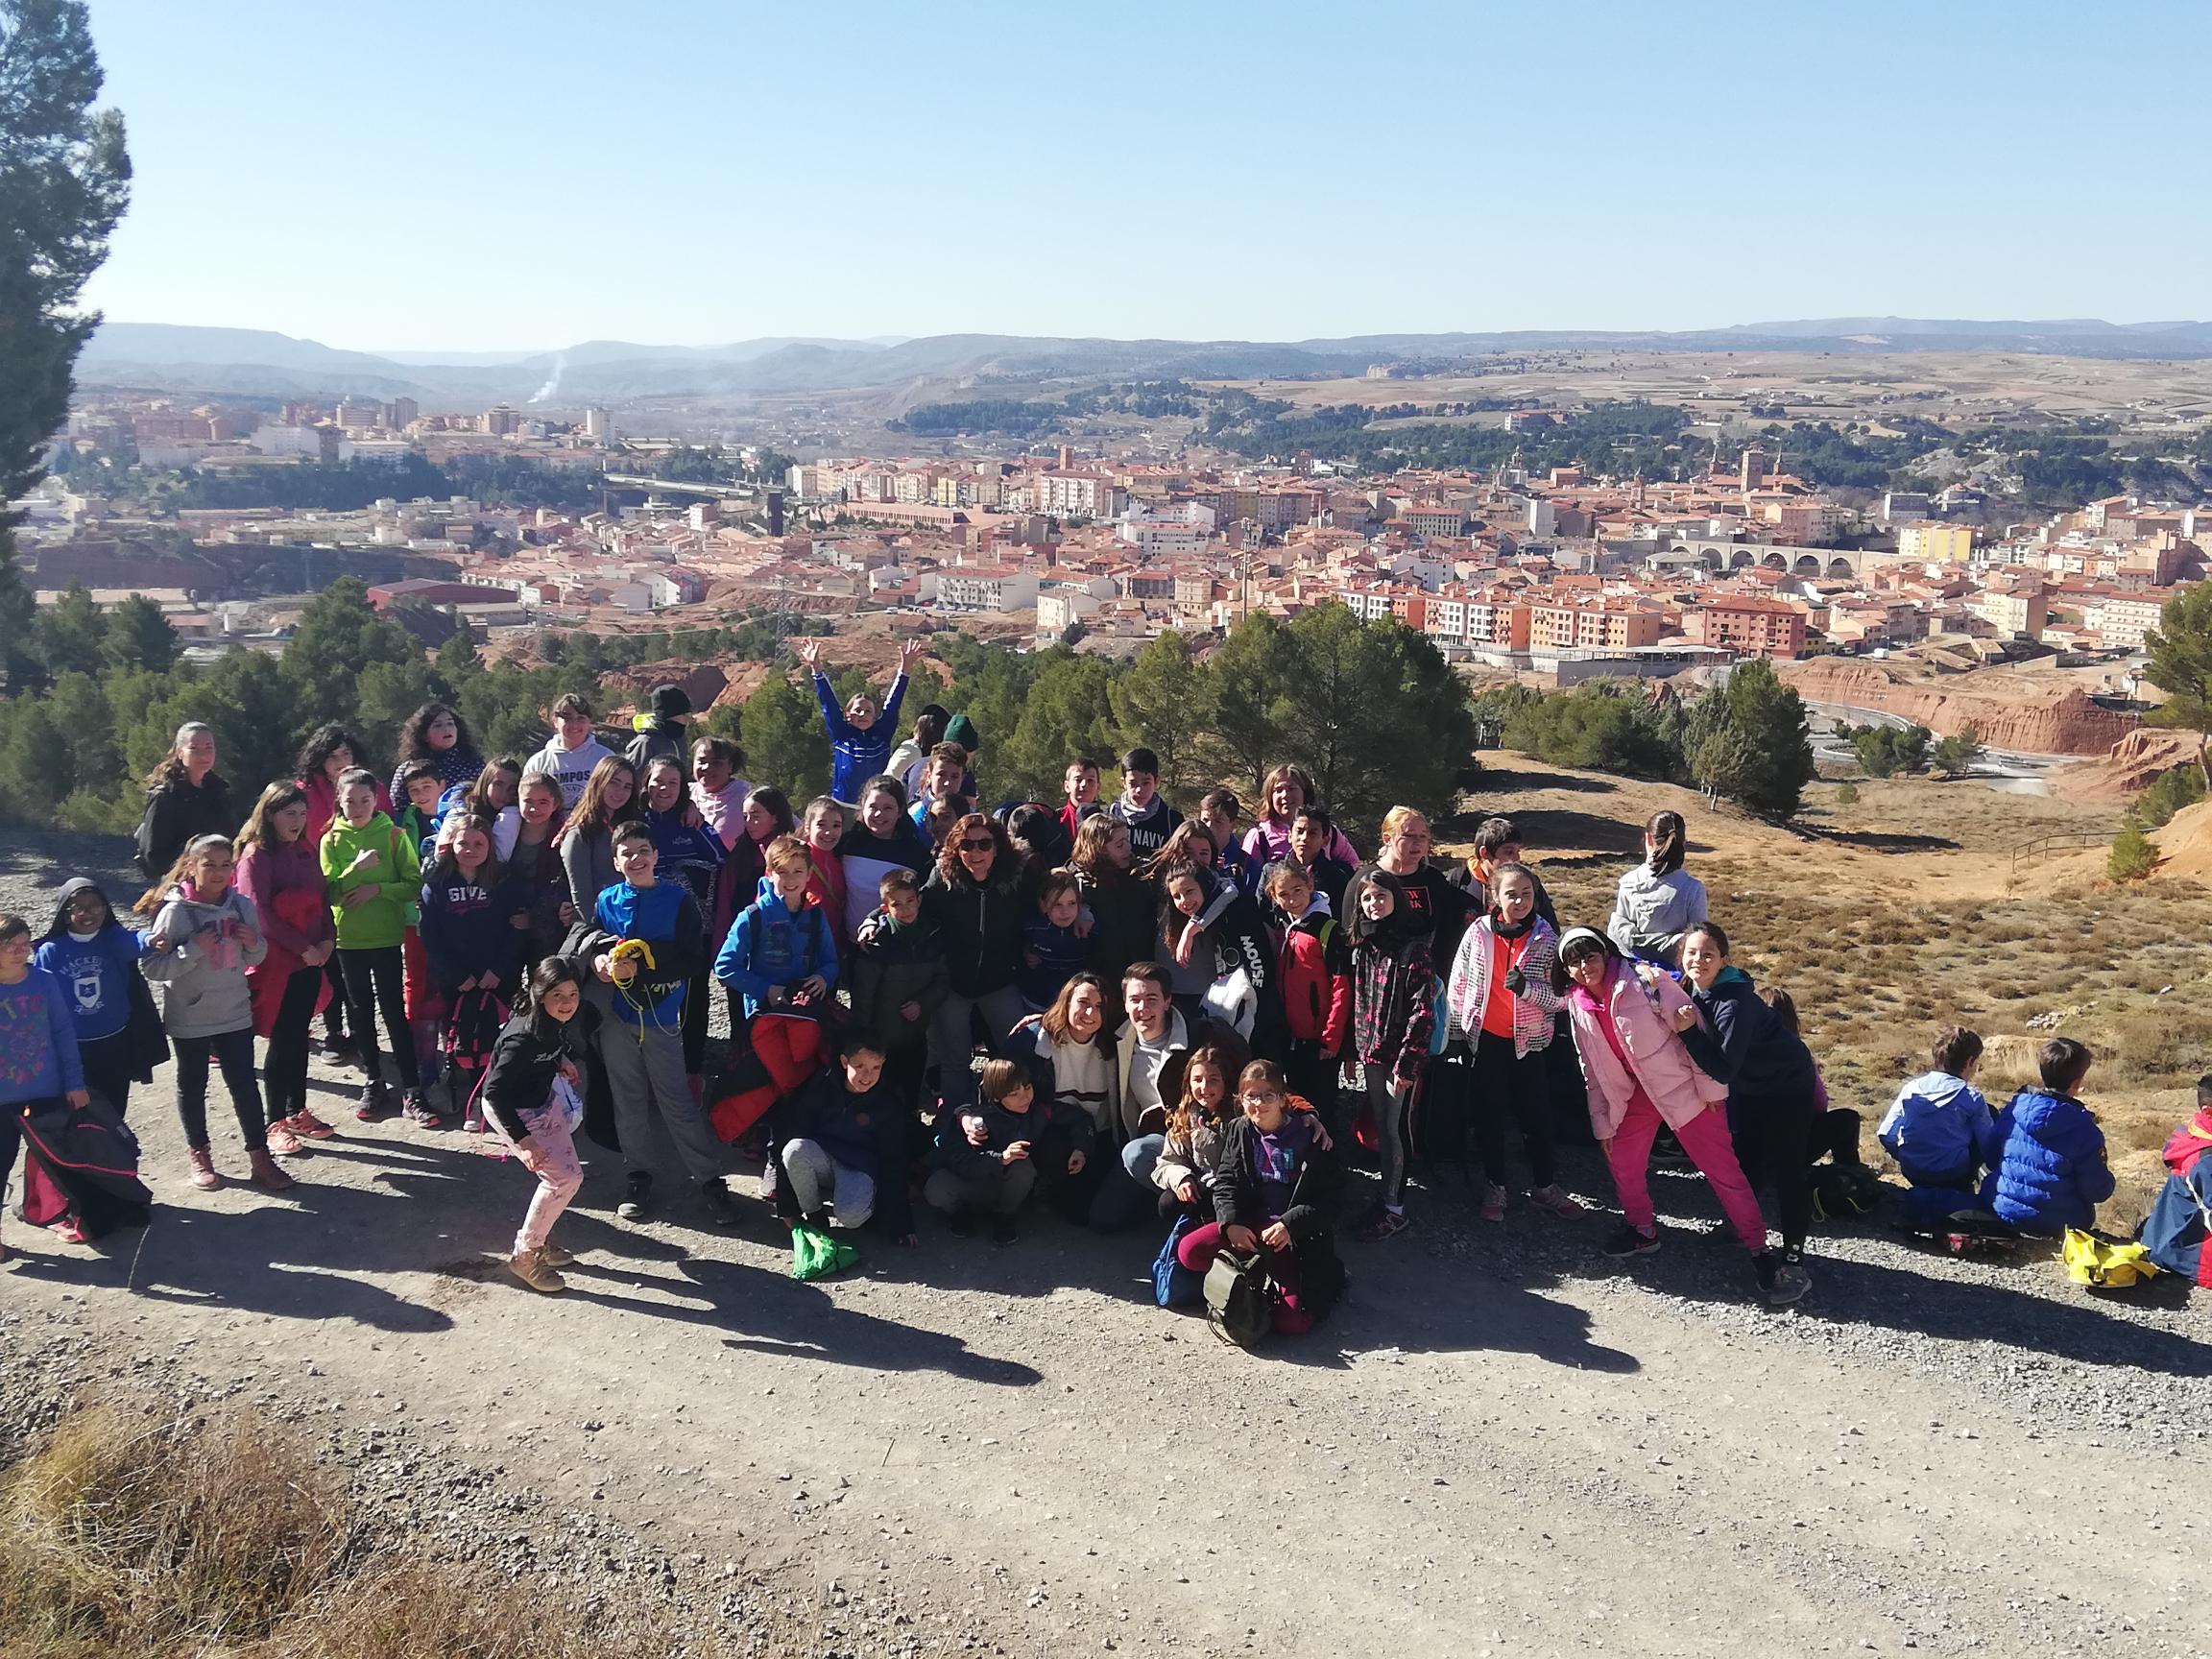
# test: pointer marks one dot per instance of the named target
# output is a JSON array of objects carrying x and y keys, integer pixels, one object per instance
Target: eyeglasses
[{"x": 983, "y": 845}]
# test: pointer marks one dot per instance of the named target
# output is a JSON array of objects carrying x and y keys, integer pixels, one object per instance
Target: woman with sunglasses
[{"x": 974, "y": 902}]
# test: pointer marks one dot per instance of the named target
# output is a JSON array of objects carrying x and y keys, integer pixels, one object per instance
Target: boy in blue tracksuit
[
  {"x": 643, "y": 1044},
  {"x": 95, "y": 957},
  {"x": 860, "y": 735},
  {"x": 2045, "y": 1152},
  {"x": 1936, "y": 1129}
]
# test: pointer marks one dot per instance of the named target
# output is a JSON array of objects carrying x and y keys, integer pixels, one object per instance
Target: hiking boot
[
  {"x": 1781, "y": 1280},
  {"x": 265, "y": 1173},
  {"x": 282, "y": 1140},
  {"x": 962, "y": 1223},
  {"x": 201, "y": 1166},
  {"x": 1556, "y": 1200},
  {"x": 721, "y": 1208},
  {"x": 309, "y": 1127},
  {"x": 375, "y": 1102},
  {"x": 1003, "y": 1230},
  {"x": 417, "y": 1107},
  {"x": 534, "y": 1270},
  {"x": 556, "y": 1256},
  {"x": 637, "y": 1196},
  {"x": 1493, "y": 1202},
  {"x": 1625, "y": 1240},
  {"x": 1385, "y": 1223}
]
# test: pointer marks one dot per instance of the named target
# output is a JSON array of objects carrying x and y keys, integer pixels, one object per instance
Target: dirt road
[{"x": 1501, "y": 1443}]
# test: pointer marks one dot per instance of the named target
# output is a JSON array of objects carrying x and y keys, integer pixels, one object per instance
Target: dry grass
[
  {"x": 1880, "y": 946},
  {"x": 123, "y": 1537}
]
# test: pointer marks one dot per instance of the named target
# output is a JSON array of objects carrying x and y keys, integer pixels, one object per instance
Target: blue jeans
[{"x": 1124, "y": 1199}]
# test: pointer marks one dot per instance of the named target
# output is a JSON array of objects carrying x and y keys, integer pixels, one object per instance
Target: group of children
[{"x": 1100, "y": 1007}]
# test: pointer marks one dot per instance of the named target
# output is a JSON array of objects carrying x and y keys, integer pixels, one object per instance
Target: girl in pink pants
[
  {"x": 544, "y": 1046},
  {"x": 1628, "y": 1020}
]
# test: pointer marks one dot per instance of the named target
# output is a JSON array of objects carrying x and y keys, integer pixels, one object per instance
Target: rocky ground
[{"x": 1501, "y": 1442}]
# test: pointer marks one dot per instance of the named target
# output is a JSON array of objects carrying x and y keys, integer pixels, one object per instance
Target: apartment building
[
  {"x": 1763, "y": 627},
  {"x": 1929, "y": 542},
  {"x": 985, "y": 588},
  {"x": 1604, "y": 625}
]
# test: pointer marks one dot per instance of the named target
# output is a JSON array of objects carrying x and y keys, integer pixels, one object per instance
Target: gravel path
[{"x": 1501, "y": 1442}]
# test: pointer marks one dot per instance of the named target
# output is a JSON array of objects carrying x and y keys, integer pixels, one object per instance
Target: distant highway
[{"x": 669, "y": 486}]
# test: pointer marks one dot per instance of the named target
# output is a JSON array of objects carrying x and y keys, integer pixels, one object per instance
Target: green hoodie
[{"x": 384, "y": 919}]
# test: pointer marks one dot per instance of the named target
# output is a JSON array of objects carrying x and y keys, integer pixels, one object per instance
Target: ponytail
[{"x": 1670, "y": 839}]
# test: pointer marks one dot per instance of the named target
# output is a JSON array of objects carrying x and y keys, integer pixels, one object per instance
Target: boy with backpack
[{"x": 1316, "y": 980}]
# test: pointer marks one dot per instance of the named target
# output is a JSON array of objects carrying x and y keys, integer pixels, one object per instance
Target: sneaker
[
  {"x": 417, "y": 1108},
  {"x": 281, "y": 1140},
  {"x": 1781, "y": 1280},
  {"x": 266, "y": 1175},
  {"x": 376, "y": 1103},
  {"x": 309, "y": 1127},
  {"x": 637, "y": 1196},
  {"x": 1003, "y": 1230},
  {"x": 200, "y": 1166},
  {"x": 1386, "y": 1223},
  {"x": 721, "y": 1208},
  {"x": 1493, "y": 1202},
  {"x": 534, "y": 1270},
  {"x": 1625, "y": 1240},
  {"x": 556, "y": 1256},
  {"x": 962, "y": 1223},
  {"x": 340, "y": 1051},
  {"x": 1556, "y": 1200}
]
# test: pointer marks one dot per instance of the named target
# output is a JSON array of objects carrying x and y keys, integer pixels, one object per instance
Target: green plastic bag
[{"x": 815, "y": 1255}]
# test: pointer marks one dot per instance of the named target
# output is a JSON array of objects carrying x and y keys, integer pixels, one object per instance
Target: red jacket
[{"x": 1316, "y": 978}]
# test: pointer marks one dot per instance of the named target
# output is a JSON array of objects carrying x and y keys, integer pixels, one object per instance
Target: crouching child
[
  {"x": 1274, "y": 1193},
  {"x": 2045, "y": 1151},
  {"x": 993, "y": 1156},
  {"x": 1936, "y": 1129},
  {"x": 841, "y": 1147}
]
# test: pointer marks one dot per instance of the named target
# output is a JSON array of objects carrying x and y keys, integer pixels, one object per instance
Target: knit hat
[
  {"x": 962, "y": 730},
  {"x": 671, "y": 702}
]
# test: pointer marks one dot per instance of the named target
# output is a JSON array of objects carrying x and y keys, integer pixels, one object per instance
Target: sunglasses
[{"x": 983, "y": 844}]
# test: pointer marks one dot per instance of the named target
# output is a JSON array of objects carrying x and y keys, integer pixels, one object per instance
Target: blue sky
[{"x": 450, "y": 175}]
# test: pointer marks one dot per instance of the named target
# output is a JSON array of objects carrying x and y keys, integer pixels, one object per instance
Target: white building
[{"x": 985, "y": 588}]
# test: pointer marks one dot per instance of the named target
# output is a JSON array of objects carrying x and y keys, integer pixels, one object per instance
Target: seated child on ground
[
  {"x": 1198, "y": 1127},
  {"x": 1275, "y": 1192},
  {"x": 2045, "y": 1152},
  {"x": 1936, "y": 1129},
  {"x": 841, "y": 1147},
  {"x": 2175, "y": 1230},
  {"x": 995, "y": 1153}
]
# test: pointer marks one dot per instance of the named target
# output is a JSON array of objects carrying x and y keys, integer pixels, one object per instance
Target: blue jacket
[
  {"x": 857, "y": 755},
  {"x": 772, "y": 948},
  {"x": 97, "y": 974},
  {"x": 1936, "y": 1129},
  {"x": 469, "y": 930},
  {"x": 690, "y": 854},
  {"x": 2046, "y": 1158},
  {"x": 38, "y": 1057},
  {"x": 664, "y": 916}
]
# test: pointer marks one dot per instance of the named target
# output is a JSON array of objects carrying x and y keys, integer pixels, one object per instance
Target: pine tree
[
  {"x": 140, "y": 636},
  {"x": 1247, "y": 686},
  {"x": 781, "y": 732},
  {"x": 1156, "y": 704},
  {"x": 65, "y": 180},
  {"x": 2181, "y": 665},
  {"x": 72, "y": 633},
  {"x": 2134, "y": 856},
  {"x": 1766, "y": 718}
]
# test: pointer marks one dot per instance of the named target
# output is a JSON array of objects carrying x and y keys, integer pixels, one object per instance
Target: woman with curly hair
[
  {"x": 973, "y": 900},
  {"x": 437, "y": 734}
]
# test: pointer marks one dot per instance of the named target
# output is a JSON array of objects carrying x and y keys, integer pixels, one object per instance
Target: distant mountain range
[{"x": 246, "y": 361}]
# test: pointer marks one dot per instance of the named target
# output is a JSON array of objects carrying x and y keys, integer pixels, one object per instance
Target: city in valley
[{"x": 1891, "y": 519}]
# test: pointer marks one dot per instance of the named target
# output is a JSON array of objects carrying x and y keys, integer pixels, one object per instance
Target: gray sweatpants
[
  {"x": 818, "y": 1179},
  {"x": 1003, "y": 1189},
  {"x": 648, "y": 1075},
  {"x": 1389, "y": 1104}
]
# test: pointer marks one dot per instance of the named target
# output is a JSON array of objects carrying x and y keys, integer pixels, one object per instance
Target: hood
[
  {"x": 1939, "y": 1087},
  {"x": 2190, "y": 1143},
  {"x": 1733, "y": 975},
  {"x": 1219, "y": 897},
  {"x": 2034, "y": 1108},
  {"x": 1317, "y": 909},
  {"x": 69, "y": 889}
]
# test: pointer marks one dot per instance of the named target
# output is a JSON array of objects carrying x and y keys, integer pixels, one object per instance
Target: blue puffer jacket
[{"x": 2046, "y": 1159}]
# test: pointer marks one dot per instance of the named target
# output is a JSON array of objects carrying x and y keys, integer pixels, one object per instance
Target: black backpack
[
  {"x": 1239, "y": 1299},
  {"x": 1841, "y": 1190}
]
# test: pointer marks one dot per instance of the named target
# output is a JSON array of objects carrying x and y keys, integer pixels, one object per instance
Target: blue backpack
[{"x": 1173, "y": 1285}]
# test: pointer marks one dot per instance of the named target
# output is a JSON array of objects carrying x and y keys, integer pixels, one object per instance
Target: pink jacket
[{"x": 1640, "y": 1005}]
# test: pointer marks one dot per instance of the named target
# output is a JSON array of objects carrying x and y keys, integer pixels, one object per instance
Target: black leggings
[
  {"x": 334, "y": 1010},
  {"x": 694, "y": 1025},
  {"x": 1773, "y": 1133},
  {"x": 234, "y": 1052},
  {"x": 285, "y": 1067},
  {"x": 1515, "y": 1087},
  {"x": 377, "y": 979},
  {"x": 107, "y": 1069}
]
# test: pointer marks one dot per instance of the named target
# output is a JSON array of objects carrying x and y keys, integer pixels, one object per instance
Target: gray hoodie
[
  {"x": 202, "y": 975},
  {"x": 1651, "y": 913}
]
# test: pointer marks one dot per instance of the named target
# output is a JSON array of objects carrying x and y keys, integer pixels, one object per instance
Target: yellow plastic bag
[{"x": 2093, "y": 1261}]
